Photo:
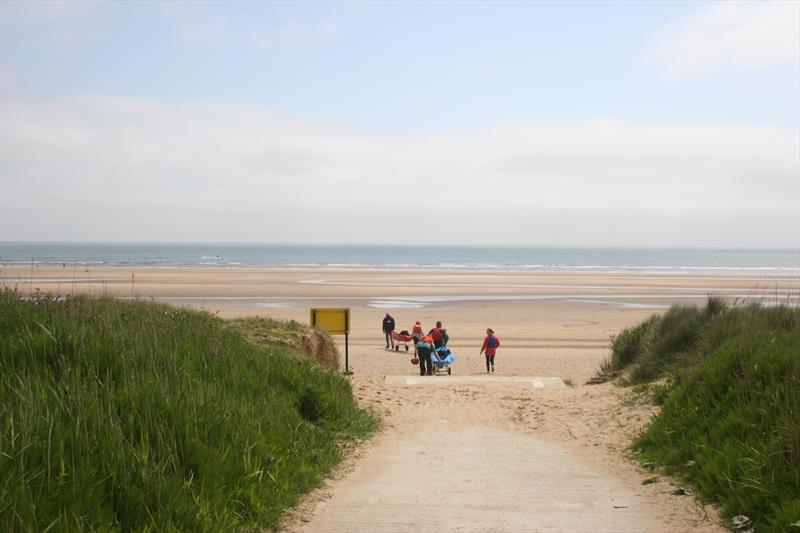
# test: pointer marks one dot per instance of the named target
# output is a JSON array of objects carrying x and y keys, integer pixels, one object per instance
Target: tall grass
[
  {"x": 731, "y": 416},
  {"x": 675, "y": 341},
  {"x": 131, "y": 416}
]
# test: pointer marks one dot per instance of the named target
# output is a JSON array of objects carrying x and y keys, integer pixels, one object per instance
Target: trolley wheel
[
  {"x": 449, "y": 371},
  {"x": 406, "y": 347}
]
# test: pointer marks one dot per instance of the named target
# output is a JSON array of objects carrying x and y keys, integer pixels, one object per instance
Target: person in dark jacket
[{"x": 388, "y": 328}]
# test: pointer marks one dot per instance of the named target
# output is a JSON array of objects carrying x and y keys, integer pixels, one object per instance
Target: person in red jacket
[
  {"x": 490, "y": 345},
  {"x": 437, "y": 334},
  {"x": 424, "y": 350},
  {"x": 416, "y": 334}
]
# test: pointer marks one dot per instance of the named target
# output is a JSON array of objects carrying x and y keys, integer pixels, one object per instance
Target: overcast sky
[{"x": 652, "y": 123}]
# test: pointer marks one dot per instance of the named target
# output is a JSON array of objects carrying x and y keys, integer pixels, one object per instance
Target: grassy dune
[
  {"x": 131, "y": 416},
  {"x": 729, "y": 381},
  {"x": 291, "y": 334}
]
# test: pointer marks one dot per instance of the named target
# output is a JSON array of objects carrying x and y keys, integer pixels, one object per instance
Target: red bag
[{"x": 414, "y": 361}]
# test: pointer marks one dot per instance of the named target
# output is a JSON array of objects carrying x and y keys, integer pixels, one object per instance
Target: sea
[{"x": 413, "y": 258}]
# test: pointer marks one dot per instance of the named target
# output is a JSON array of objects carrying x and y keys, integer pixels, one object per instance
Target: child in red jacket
[{"x": 490, "y": 345}]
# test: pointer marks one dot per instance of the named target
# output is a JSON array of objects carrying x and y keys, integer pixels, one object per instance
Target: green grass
[
  {"x": 650, "y": 393},
  {"x": 730, "y": 421},
  {"x": 132, "y": 416},
  {"x": 668, "y": 344},
  {"x": 627, "y": 346}
]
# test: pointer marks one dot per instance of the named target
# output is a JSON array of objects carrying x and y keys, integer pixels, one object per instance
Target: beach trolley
[
  {"x": 442, "y": 358},
  {"x": 404, "y": 337}
]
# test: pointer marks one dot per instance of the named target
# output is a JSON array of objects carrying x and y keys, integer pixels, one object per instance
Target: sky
[{"x": 567, "y": 123}]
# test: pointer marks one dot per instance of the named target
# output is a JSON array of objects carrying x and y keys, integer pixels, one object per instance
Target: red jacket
[{"x": 490, "y": 350}]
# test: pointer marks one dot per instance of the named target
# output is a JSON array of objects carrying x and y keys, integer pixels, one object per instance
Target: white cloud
[
  {"x": 730, "y": 37},
  {"x": 198, "y": 22},
  {"x": 194, "y": 21},
  {"x": 294, "y": 33},
  {"x": 59, "y": 23},
  {"x": 120, "y": 169},
  {"x": 20, "y": 11}
]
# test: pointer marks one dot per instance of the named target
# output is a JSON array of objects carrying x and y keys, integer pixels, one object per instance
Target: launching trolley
[{"x": 403, "y": 337}]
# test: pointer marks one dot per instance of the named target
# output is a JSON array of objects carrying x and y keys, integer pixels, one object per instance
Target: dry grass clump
[{"x": 310, "y": 342}]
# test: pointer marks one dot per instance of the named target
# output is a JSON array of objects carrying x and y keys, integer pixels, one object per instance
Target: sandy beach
[{"x": 550, "y": 325}]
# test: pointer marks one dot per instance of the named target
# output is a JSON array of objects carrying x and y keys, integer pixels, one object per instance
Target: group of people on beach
[{"x": 436, "y": 338}]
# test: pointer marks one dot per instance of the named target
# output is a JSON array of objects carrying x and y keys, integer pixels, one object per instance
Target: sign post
[{"x": 335, "y": 322}]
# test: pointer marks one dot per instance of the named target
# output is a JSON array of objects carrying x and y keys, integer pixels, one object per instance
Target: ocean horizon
[{"x": 767, "y": 262}]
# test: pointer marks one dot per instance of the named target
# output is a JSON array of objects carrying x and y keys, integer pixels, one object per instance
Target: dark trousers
[
  {"x": 489, "y": 362},
  {"x": 389, "y": 339},
  {"x": 425, "y": 363}
]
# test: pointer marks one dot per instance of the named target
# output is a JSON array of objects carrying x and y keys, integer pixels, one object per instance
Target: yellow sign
[{"x": 334, "y": 321}]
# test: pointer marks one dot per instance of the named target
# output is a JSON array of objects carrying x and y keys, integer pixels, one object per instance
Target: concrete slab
[
  {"x": 524, "y": 381},
  {"x": 476, "y": 480}
]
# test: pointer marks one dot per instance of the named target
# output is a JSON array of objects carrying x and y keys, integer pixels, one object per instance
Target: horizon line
[{"x": 410, "y": 245}]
